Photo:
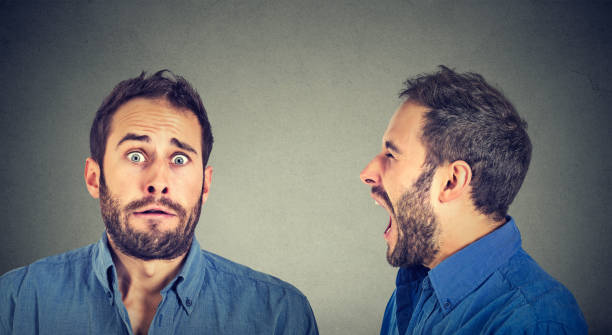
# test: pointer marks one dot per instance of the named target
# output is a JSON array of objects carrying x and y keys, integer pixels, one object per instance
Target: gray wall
[{"x": 299, "y": 94}]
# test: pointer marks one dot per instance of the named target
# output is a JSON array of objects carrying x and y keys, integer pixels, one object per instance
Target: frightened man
[
  {"x": 150, "y": 142},
  {"x": 453, "y": 158}
]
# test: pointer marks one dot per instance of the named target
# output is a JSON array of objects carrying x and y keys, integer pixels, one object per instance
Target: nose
[
  {"x": 157, "y": 182},
  {"x": 371, "y": 173}
]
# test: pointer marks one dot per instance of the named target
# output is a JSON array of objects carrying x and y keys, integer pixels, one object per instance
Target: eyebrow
[
  {"x": 134, "y": 137},
  {"x": 183, "y": 145},
  {"x": 392, "y": 147},
  {"x": 147, "y": 139}
]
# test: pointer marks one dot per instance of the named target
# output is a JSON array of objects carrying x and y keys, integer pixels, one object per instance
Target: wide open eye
[
  {"x": 136, "y": 157},
  {"x": 180, "y": 159}
]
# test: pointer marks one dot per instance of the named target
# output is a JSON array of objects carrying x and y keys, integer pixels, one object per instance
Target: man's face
[
  {"x": 401, "y": 183},
  {"x": 152, "y": 181}
]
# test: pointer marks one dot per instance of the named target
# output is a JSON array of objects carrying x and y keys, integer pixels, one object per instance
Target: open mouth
[
  {"x": 386, "y": 233},
  {"x": 384, "y": 205}
]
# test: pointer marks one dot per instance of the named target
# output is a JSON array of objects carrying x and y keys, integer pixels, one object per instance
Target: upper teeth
[{"x": 376, "y": 202}]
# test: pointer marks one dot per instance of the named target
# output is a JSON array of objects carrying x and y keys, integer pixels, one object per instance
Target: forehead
[
  {"x": 405, "y": 126},
  {"x": 156, "y": 118}
]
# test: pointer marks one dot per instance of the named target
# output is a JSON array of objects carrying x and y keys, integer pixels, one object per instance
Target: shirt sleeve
[
  {"x": 297, "y": 317},
  {"x": 9, "y": 288}
]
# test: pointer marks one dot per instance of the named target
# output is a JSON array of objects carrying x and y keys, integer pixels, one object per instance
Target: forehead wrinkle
[
  {"x": 155, "y": 128},
  {"x": 155, "y": 110},
  {"x": 172, "y": 129},
  {"x": 156, "y": 119}
]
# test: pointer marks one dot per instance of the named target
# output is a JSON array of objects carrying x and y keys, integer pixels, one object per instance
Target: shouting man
[
  {"x": 453, "y": 158},
  {"x": 150, "y": 142}
]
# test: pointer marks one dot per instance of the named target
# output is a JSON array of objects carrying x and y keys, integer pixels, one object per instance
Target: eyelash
[
  {"x": 144, "y": 158},
  {"x": 187, "y": 159}
]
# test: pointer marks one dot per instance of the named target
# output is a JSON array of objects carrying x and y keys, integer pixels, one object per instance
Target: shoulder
[
  {"x": 541, "y": 301},
  {"x": 266, "y": 299},
  {"x": 232, "y": 273},
  {"x": 536, "y": 286},
  {"x": 47, "y": 271},
  {"x": 41, "y": 281}
]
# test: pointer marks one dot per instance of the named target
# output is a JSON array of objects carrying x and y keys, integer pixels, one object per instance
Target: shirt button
[
  {"x": 188, "y": 302},
  {"x": 109, "y": 295},
  {"x": 447, "y": 304}
]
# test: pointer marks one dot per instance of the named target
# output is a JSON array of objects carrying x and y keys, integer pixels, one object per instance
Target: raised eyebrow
[
  {"x": 183, "y": 145},
  {"x": 389, "y": 145},
  {"x": 134, "y": 137}
]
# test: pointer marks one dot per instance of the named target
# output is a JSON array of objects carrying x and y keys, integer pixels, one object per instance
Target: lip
[
  {"x": 380, "y": 202},
  {"x": 154, "y": 211},
  {"x": 388, "y": 229}
]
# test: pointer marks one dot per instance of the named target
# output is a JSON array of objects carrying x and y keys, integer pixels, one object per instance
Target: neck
[
  {"x": 147, "y": 276},
  {"x": 458, "y": 230}
]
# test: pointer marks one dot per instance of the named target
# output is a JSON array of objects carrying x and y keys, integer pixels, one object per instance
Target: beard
[
  {"x": 416, "y": 222},
  {"x": 153, "y": 244}
]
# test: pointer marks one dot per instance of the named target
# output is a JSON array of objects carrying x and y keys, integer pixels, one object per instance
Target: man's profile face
[
  {"x": 400, "y": 183},
  {"x": 151, "y": 187}
]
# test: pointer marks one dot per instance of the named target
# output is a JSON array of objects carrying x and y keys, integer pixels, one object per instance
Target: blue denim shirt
[
  {"x": 491, "y": 286},
  {"x": 77, "y": 293}
]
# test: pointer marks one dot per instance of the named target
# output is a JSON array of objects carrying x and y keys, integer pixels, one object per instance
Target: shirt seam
[
  {"x": 532, "y": 310},
  {"x": 257, "y": 280},
  {"x": 68, "y": 257}
]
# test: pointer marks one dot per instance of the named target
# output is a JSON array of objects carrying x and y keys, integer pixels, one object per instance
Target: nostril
[
  {"x": 369, "y": 181},
  {"x": 165, "y": 190},
  {"x": 151, "y": 189}
]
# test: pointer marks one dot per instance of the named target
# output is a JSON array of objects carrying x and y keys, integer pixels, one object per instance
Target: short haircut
[
  {"x": 163, "y": 84},
  {"x": 470, "y": 120}
]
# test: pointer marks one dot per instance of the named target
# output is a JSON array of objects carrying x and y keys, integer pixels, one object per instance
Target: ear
[
  {"x": 457, "y": 181},
  {"x": 207, "y": 179},
  {"x": 92, "y": 177}
]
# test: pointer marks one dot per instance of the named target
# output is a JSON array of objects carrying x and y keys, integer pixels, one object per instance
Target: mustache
[
  {"x": 134, "y": 205},
  {"x": 379, "y": 191}
]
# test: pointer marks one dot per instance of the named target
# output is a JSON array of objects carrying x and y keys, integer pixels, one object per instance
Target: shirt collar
[
  {"x": 187, "y": 283},
  {"x": 411, "y": 275},
  {"x": 103, "y": 266},
  {"x": 458, "y": 275}
]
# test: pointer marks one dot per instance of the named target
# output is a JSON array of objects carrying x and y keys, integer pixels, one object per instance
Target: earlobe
[
  {"x": 207, "y": 181},
  {"x": 92, "y": 177},
  {"x": 458, "y": 178}
]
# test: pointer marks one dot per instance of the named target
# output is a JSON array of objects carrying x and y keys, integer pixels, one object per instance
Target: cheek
[
  {"x": 396, "y": 184},
  {"x": 189, "y": 183},
  {"x": 119, "y": 180},
  {"x": 392, "y": 182},
  {"x": 132, "y": 180},
  {"x": 394, "y": 191}
]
